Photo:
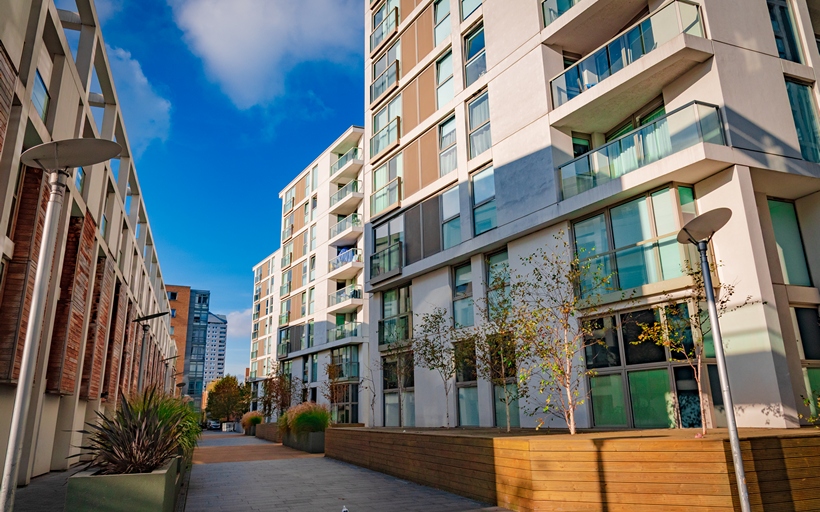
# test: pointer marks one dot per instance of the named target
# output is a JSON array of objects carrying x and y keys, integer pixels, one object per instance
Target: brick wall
[
  {"x": 98, "y": 330},
  {"x": 127, "y": 350},
  {"x": 115, "y": 341}
]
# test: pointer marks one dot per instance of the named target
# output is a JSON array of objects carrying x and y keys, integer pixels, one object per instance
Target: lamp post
[
  {"x": 143, "y": 354},
  {"x": 699, "y": 232},
  {"x": 56, "y": 159}
]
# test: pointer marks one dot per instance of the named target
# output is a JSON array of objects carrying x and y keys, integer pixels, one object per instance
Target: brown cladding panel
[
  {"x": 115, "y": 341},
  {"x": 19, "y": 286},
  {"x": 412, "y": 234},
  {"x": 431, "y": 226},
  {"x": 410, "y": 107},
  {"x": 300, "y": 190},
  {"x": 429, "y": 157},
  {"x": 98, "y": 330},
  {"x": 297, "y": 246},
  {"x": 425, "y": 41},
  {"x": 427, "y": 92},
  {"x": 408, "y": 50},
  {"x": 406, "y": 8},
  {"x": 299, "y": 218},
  {"x": 411, "y": 174}
]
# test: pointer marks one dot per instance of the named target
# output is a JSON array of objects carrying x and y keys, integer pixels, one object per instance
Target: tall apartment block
[
  {"x": 308, "y": 297},
  {"x": 493, "y": 126},
  {"x": 55, "y": 83},
  {"x": 215, "y": 340},
  {"x": 189, "y": 329}
]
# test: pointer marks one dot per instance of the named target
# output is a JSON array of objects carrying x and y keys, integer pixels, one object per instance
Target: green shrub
[
  {"x": 308, "y": 417},
  {"x": 256, "y": 420},
  {"x": 251, "y": 418}
]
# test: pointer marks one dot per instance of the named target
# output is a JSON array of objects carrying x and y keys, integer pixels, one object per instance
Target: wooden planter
[
  {"x": 148, "y": 492},
  {"x": 269, "y": 432},
  {"x": 311, "y": 442}
]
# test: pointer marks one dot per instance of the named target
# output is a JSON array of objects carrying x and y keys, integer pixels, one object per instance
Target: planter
[
  {"x": 149, "y": 492},
  {"x": 311, "y": 442},
  {"x": 269, "y": 432},
  {"x": 251, "y": 431}
]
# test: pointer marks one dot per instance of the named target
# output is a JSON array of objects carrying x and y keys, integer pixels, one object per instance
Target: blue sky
[{"x": 224, "y": 102}]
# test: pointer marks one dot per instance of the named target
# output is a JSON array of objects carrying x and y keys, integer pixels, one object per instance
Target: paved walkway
[{"x": 274, "y": 477}]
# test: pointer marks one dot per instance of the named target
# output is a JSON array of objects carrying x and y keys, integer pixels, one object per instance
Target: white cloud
[
  {"x": 249, "y": 46},
  {"x": 146, "y": 114},
  {"x": 106, "y": 9},
  {"x": 239, "y": 324}
]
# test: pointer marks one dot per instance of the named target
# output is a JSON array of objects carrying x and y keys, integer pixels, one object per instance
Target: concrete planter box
[
  {"x": 311, "y": 442},
  {"x": 269, "y": 432},
  {"x": 148, "y": 492}
]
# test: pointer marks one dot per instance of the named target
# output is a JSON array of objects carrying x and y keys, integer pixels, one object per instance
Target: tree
[
  {"x": 368, "y": 383},
  {"x": 435, "y": 349},
  {"x": 267, "y": 398},
  {"x": 225, "y": 400},
  {"x": 683, "y": 334},
  {"x": 397, "y": 368},
  {"x": 332, "y": 388}
]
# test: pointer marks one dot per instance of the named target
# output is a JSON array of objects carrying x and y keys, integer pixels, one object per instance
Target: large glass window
[
  {"x": 393, "y": 368},
  {"x": 467, "y": 392},
  {"x": 39, "y": 96},
  {"x": 386, "y": 126},
  {"x": 484, "y": 212},
  {"x": 789, "y": 243},
  {"x": 784, "y": 30},
  {"x": 442, "y": 14},
  {"x": 468, "y": 7},
  {"x": 447, "y": 158},
  {"x": 805, "y": 119},
  {"x": 385, "y": 71},
  {"x": 463, "y": 296},
  {"x": 475, "y": 57},
  {"x": 395, "y": 325},
  {"x": 479, "y": 114},
  {"x": 385, "y": 20},
  {"x": 444, "y": 80},
  {"x": 450, "y": 218}
]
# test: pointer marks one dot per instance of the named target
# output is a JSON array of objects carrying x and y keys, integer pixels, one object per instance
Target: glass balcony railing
[
  {"x": 351, "y": 188},
  {"x": 351, "y": 221},
  {"x": 385, "y": 197},
  {"x": 348, "y": 330},
  {"x": 289, "y": 205},
  {"x": 396, "y": 329},
  {"x": 351, "y": 155},
  {"x": 345, "y": 294},
  {"x": 676, "y": 18},
  {"x": 384, "y": 81},
  {"x": 287, "y": 232},
  {"x": 384, "y": 29},
  {"x": 283, "y": 349},
  {"x": 683, "y": 128},
  {"x": 351, "y": 256},
  {"x": 553, "y": 9},
  {"x": 285, "y": 288},
  {"x": 286, "y": 260},
  {"x": 284, "y": 318},
  {"x": 385, "y": 137},
  {"x": 386, "y": 261},
  {"x": 347, "y": 371}
]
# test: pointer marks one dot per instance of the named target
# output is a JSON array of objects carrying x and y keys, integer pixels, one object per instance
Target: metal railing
[
  {"x": 351, "y": 256},
  {"x": 678, "y": 17},
  {"x": 386, "y": 261},
  {"x": 351, "y": 221},
  {"x": 384, "y": 29},
  {"x": 286, "y": 260},
  {"x": 284, "y": 318},
  {"x": 348, "y": 330},
  {"x": 289, "y": 204},
  {"x": 287, "y": 232},
  {"x": 384, "y": 81},
  {"x": 385, "y": 137},
  {"x": 285, "y": 288},
  {"x": 283, "y": 349},
  {"x": 351, "y": 292},
  {"x": 351, "y": 188},
  {"x": 396, "y": 329},
  {"x": 680, "y": 129},
  {"x": 385, "y": 197},
  {"x": 351, "y": 155}
]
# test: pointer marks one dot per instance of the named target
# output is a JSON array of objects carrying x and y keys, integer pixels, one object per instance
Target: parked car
[{"x": 214, "y": 425}]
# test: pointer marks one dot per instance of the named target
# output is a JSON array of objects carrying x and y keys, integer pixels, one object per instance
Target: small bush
[
  {"x": 283, "y": 423},
  {"x": 251, "y": 418},
  {"x": 308, "y": 417}
]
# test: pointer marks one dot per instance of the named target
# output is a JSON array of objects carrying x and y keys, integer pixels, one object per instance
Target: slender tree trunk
[
  {"x": 447, "y": 401},
  {"x": 507, "y": 404},
  {"x": 700, "y": 398}
]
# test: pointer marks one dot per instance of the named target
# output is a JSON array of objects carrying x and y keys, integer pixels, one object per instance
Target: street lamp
[
  {"x": 699, "y": 232},
  {"x": 143, "y": 354},
  {"x": 56, "y": 159}
]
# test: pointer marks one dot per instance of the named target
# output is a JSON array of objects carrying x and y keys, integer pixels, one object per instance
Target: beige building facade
[
  {"x": 106, "y": 272},
  {"x": 493, "y": 126}
]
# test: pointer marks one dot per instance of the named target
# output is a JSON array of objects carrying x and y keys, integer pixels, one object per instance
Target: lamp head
[
  {"x": 65, "y": 154},
  {"x": 702, "y": 227}
]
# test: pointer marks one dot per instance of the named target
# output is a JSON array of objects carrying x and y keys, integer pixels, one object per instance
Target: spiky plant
[
  {"x": 169, "y": 408},
  {"x": 139, "y": 438}
]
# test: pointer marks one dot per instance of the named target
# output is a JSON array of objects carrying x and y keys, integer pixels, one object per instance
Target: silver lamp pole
[
  {"x": 54, "y": 158},
  {"x": 144, "y": 352},
  {"x": 699, "y": 232}
]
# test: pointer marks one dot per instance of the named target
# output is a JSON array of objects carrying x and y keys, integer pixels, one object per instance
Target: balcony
[
  {"x": 284, "y": 289},
  {"x": 347, "y": 167},
  {"x": 385, "y": 29},
  {"x": 347, "y": 199},
  {"x": 553, "y": 9},
  {"x": 612, "y": 82},
  {"x": 288, "y": 206},
  {"x": 345, "y": 332},
  {"x": 346, "y": 265},
  {"x": 386, "y": 198},
  {"x": 346, "y": 300},
  {"x": 579, "y": 26},
  {"x": 385, "y": 83},
  {"x": 385, "y": 139},
  {"x": 284, "y": 318},
  {"x": 286, "y": 259},
  {"x": 346, "y": 231},
  {"x": 283, "y": 349},
  {"x": 347, "y": 371},
  {"x": 386, "y": 263},
  {"x": 397, "y": 329},
  {"x": 681, "y": 129},
  {"x": 287, "y": 232}
]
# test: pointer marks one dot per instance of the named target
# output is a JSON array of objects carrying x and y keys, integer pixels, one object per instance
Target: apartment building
[
  {"x": 217, "y": 336},
  {"x": 105, "y": 275},
  {"x": 189, "y": 328},
  {"x": 493, "y": 126},
  {"x": 308, "y": 296}
]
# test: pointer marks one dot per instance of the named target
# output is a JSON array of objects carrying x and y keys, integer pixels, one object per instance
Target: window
[
  {"x": 784, "y": 30},
  {"x": 467, "y": 391},
  {"x": 385, "y": 20},
  {"x": 314, "y": 178},
  {"x": 498, "y": 275},
  {"x": 172, "y": 295},
  {"x": 386, "y": 185},
  {"x": 313, "y": 237},
  {"x": 307, "y": 213},
  {"x": 468, "y": 7},
  {"x": 444, "y": 80},
  {"x": 386, "y": 126},
  {"x": 805, "y": 119},
  {"x": 581, "y": 144},
  {"x": 636, "y": 240},
  {"x": 395, "y": 325},
  {"x": 304, "y": 273},
  {"x": 393, "y": 369},
  {"x": 447, "y": 157},
  {"x": 314, "y": 201},
  {"x": 385, "y": 72},
  {"x": 442, "y": 18},
  {"x": 304, "y": 304},
  {"x": 463, "y": 296},
  {"x": 479, "y": 113},
  {"x": 288, "y": 200},
  {"x": 450, "y": 219},
  {"x": 311, "y": 300},
  {"x": 39, "y": 96},
  {"x": 484, "y": 214},
  {"x": 79, "y": 182},
  {"x": 476, "y": 60},
  {"x": 312, "y": 271},
  {"x": 173, "y": 313},
  {"x": 789, "y": 243}
]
